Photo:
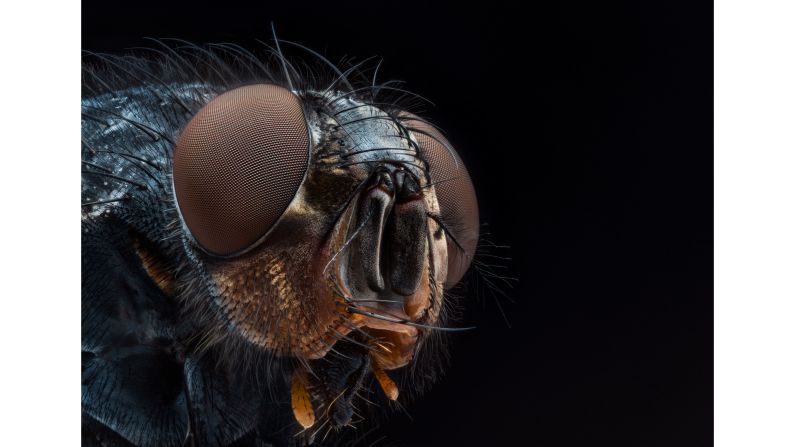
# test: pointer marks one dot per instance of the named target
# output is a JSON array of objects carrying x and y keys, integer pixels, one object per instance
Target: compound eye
[
  {"x": 238, "y": 164},
  {"x": 458, "y": 204}
]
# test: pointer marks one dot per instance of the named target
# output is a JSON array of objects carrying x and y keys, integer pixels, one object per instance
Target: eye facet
[
  {"x": 238, "y": 164},
  {"x": 456, "y": 195}
]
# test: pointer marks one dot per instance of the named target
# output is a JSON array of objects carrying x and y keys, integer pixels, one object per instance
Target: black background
[{"x": 587, "y": 129}]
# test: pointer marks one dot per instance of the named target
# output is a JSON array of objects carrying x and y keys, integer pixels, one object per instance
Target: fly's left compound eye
[
  {"x": 458, "y": 204},
  {"x": 238, "y": 164}
]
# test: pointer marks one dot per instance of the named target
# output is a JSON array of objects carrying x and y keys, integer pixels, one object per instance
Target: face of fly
[{"x": 355, "y": 265}]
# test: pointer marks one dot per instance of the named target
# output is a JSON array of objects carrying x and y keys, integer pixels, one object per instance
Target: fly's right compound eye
[
  {"x": 458, "y": 203},
  {"x": 238, "y": 164}
]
